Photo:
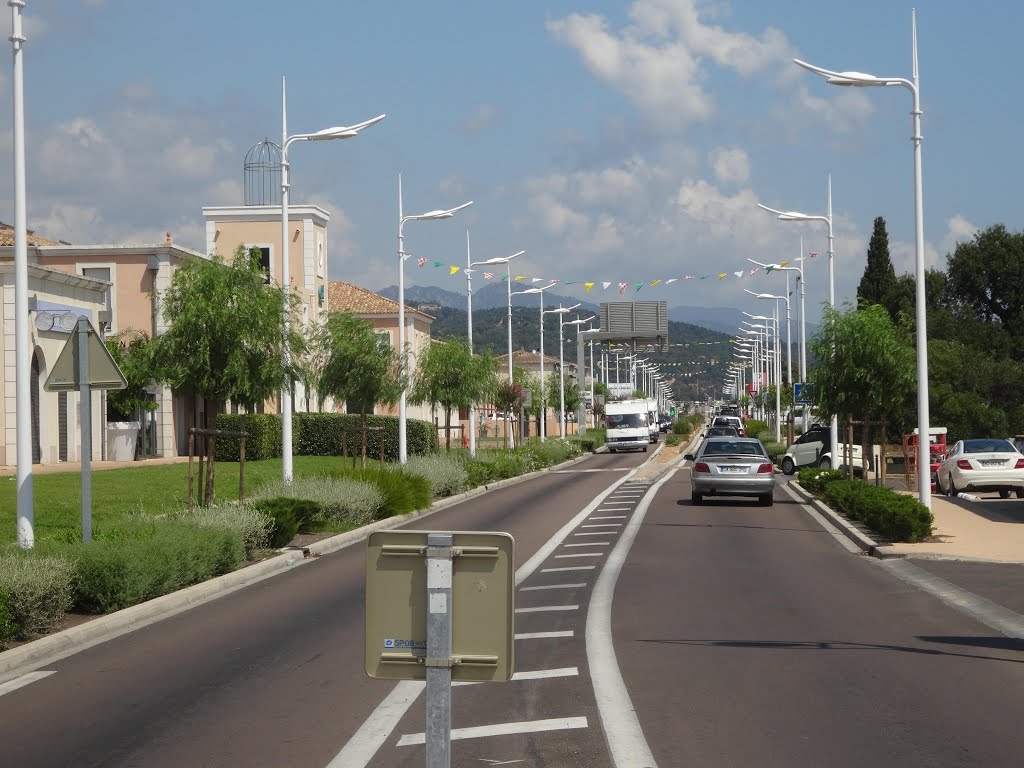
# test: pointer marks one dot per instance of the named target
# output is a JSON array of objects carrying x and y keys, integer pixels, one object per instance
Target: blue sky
[{"x": 617, "y": 142}]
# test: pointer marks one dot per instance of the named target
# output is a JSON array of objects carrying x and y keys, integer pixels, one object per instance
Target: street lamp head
[
  {"x": 343, "y": 132},
  {"x": 432, "y": 215},
  {"x": 497, "y": 260},
  {"x": 850, "y": 78}
]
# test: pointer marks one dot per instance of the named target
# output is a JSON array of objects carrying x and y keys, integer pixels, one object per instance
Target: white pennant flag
[
  {"x": 536, "y": 279},
  {"x": 605, "y": 285},
  {"x": 671, "y": 280},
  {"x": 739, "y": 274}
]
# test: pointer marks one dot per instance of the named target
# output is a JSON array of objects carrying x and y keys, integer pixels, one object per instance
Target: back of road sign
[
  {"x": 481, "y": 605},
  {"x": 103, "y": 372}
]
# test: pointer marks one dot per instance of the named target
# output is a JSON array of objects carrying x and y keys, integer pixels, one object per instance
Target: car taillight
[
  {"x": 765, "y": 469},
  {"x": 700, "y": 466},
  {"x": 742, "y": 433},
  {"x": 964, "y": 464},
  {"x": 1019, "y": 464}
]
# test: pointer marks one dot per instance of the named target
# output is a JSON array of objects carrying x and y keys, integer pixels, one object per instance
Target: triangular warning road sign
[{"x": 101, "y": 371}]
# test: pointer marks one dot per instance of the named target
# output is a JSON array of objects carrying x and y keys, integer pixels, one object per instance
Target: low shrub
[
  {"x": 480, "y": 471},
  {"x": 774, "y": 450},
  {"x": 290, "y": 517},
  {"x": 404, "y": 491},
  {"x": 124, "y": 570},
  {"x": 591, "y": 441},
  {"x": 344, "y": 502},
  {"x": 8, "y": 627},
  {"x": 673, "y": 439},
  {"x": 686, "y": 424},
  {"x": 814, "y": 479},
  {"x": 754, "y": 427},
  {"x": 38, "y": 592},
  {"x": 446, "y": 475},
  {"x": 896, "y": 516},
  {"x": 252, "y": 525}
]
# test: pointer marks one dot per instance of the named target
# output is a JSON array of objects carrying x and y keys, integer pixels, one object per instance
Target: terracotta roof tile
[
  {"x": 7, "y": 237},
  {"x": 345, "y": 297}
]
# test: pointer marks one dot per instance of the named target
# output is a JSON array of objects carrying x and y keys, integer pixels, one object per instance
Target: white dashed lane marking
[
  {"x": 551, "y": 586},
  {"x": 570, "y": 568},
  {"x": 21, "y": 682},
  {"x": 544, "y": 635},
  {"x": 548, "y": 608},
  {"x": 502, "y": 729}
]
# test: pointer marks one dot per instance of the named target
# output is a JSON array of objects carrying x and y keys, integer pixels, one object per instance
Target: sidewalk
[
  {"x": 96, "y": 466},
  {"x": 989, "y": 529}
]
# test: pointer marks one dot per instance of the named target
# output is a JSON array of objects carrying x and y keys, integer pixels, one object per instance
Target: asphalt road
[{"x": 743, "y": 636}]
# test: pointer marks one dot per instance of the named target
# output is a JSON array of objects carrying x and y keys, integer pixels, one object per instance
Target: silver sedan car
[{"x": 731, "y": 466}]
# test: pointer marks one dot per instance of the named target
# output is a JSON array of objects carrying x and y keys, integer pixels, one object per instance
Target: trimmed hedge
[
  {"x": 403, "y": 491},
  {"x": 8, "y": 627},
  {"x": 37, "y": 591},
  {"x": 320, "y": 434},
  {"x": 894, "y": 515},
  {"x": 124, "y": 570}
]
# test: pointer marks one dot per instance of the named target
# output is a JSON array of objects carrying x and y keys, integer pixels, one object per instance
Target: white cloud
[
  {"x": 731, "y": 165},
  {"x": 482, "y": 119},
  {"x": 958, "y": 230}
]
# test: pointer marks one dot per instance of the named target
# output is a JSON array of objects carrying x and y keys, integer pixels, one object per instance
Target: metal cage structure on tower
[{"x": 263, "y": 174}]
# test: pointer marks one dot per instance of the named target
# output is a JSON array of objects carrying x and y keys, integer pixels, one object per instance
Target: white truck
[
  {"x": 652, "y": 418},
  {"x": 813, "y": 449},
  {"x": 627, "y": 426}
]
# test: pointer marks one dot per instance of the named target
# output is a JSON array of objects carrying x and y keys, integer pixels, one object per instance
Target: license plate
[
  {"x": 993, "y": 463},
  {"x": 733, "y": 470}
]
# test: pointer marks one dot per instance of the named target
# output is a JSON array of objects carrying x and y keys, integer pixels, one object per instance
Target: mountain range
[{"x": 494, "y": 295}]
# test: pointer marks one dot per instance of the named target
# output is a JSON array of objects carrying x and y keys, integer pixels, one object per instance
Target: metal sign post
[
  {"x": 438, "y": 730},
  {"x": 85, "y": 411},
  {"x": 78, "y": 368}
]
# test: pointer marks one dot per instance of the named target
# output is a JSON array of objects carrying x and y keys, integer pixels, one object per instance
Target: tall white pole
[
  {"x": 834, "y": 447},
  {"x": 923, "y": 416},
  {"x": 593, "y": 373},
  {"x": 508, "y": 285},
  {"x": 286, "y": 389},
  {"x": 403, "y": 355},
  {"x": 803, "y": 317},
  {"x": 22, "y": 342},
  {"x": 469, "y": 333},
  {"x": 778, "y": 378},
  {"x": 561, "y": 377},
  {"x": 543, "y": 403}
]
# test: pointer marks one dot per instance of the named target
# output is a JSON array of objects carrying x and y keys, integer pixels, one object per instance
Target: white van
[
  {"x": 652, "y": 419},
  {"x": 627, "y": 425}
]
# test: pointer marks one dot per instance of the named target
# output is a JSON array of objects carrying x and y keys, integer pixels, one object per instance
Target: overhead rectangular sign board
[
  {"x": 481, "y": 608},
  {"x": 102, "y": 371}
]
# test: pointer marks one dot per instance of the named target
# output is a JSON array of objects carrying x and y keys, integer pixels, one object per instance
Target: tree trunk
[
  {"x": 447, "y": 428},
  {"x": 212, "y": 443},
  {"x": 362, "y": 463}
]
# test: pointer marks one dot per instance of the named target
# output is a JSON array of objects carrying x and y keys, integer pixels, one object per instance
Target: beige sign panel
[
  {"x": 102, "y": 371},
  {"x": 482, "y": 610}
]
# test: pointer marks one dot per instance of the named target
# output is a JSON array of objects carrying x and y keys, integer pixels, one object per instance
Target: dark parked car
[{"x": 722, "y": 432}]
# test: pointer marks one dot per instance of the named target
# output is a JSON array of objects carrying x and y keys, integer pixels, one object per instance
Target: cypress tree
[{"x": 879, "y": 279}]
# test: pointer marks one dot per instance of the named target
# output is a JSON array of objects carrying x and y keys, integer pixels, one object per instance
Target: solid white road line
[
  {"x": 20, "y": 682},
  {"x": 622, "y": 729},
  {"x": 579, "y": 554},
  {"x": 589, "y": 544},
  {"x": 536, "y": 674},
  {"x": 570, "y": 568},
  {"x": 551, "y": 586},
  {"x": 360, "y": 749},
  {"x": 502, "y": 729},
  {"x": 548, "y": 608},
  {"x": 543, "y": 635}
]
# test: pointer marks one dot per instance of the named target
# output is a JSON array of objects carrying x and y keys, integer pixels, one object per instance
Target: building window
[
  {"x": 264, "y": 255},
  {"x": 104, "y": 272}
]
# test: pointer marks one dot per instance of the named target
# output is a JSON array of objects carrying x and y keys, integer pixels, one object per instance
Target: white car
[{"x": 989, "y": 464}]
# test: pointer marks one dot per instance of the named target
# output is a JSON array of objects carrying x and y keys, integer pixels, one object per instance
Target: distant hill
[
  {"x": 491, "y": 295},
  {"x": 696, "y": 356}
]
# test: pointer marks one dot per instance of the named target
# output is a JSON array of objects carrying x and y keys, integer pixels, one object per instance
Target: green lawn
[{"x": 117, "y": 492}]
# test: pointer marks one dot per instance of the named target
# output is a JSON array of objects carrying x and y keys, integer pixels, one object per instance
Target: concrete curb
[
  {"x": 51, "y": 648},
  {"x": 853, "y": 533}
]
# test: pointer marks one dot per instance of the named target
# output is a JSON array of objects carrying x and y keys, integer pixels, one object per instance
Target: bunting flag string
[{"x": 636, "y": 285}]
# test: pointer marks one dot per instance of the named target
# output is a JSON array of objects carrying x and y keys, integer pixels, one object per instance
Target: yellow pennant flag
[
  {"x": 783, "y": 263},
  {"x": 722, "y": 275},
  {"x": 588, "y": 286},
  {"x": 654, "y": 282},
  {"x": 452, "y": 270},
  {"x": 520, "y": 277}
]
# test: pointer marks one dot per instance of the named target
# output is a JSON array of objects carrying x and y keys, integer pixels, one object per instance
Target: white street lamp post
[
  {"x": 827, "y": 218},
  {"x": 582, "y": 409},
  {"x": 402, "y": 351},
  {"x": 542, "y": 430},
  {"x": 561, "y": 311},
  {"x": 328, "y": 134},
  {"x": 912, "y": 85},
  {"x": 469, "y": 330},
  {"x": 22, "y": 342}
]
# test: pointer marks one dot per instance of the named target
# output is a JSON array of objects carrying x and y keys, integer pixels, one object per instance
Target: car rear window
[
  {"x": 733, "y": 448},
  {"x": 988, "y": 446}
]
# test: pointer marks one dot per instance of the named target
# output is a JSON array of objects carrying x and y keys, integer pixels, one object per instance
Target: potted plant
[{"x": 130, "y": 350}]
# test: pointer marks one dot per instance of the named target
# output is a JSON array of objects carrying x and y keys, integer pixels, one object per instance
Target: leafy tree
[
  {"x": 131, "y": 350},
  {"x": 226, "y": 334},
  {"x": 865, "y": 367},
  {"x": 358, "y": 366},
  {"x": 986, "y": 276},
  {"x": 600, "y": 388},
  {"x": 879, "y": 280},
  {"x": 509, "y": 398},
  {"x": 572, "y": 396},
  {"x": 639, "y": 394},
  {"x": 450, "y": 375}
]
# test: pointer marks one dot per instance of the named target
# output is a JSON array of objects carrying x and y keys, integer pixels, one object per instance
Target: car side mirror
[{"x": 689, "y": 457}]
